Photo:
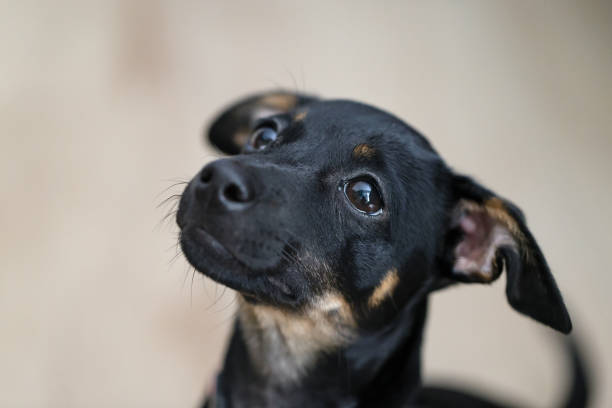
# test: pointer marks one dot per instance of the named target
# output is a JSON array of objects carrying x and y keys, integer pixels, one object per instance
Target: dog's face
[{"x": 341, "y": 203}]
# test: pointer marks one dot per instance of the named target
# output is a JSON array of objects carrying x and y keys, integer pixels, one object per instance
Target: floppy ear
[
  {"x": 230, "y": 131},
  {"x": 488, "y": 233}
]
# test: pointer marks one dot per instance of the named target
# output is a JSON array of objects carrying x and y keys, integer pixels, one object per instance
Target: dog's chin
[{"x": 211, "y": 258}]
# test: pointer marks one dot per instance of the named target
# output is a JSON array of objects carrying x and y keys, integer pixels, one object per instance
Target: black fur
[{"x": 276, "y": 225}]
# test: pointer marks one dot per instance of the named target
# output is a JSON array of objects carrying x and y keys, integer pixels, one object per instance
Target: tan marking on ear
[
  {"x": 282, "y": 102},
  {"x": 505, "y": 232},
  {"x": 485, "y": 267},
  {"x": 384, "y": 289},
  {"x": 363, "y": 150},
  {"x": 300, "y": 116},
  {"x": 496, "y": 209},
  {"x": 284, "y": 344}
]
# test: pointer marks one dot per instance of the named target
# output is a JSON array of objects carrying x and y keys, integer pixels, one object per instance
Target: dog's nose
[{"x": 226, "y": 184}]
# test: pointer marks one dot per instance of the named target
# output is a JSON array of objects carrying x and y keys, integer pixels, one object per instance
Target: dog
[{"x": 333, "y": 221}]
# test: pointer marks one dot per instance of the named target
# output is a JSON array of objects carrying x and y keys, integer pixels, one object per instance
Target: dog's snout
[{"x": 225, "y": 183}]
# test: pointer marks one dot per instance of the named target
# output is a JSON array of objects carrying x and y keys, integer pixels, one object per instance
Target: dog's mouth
[
  {"x": 201, "y": 236},
  {"x": 208, "y": 255}
]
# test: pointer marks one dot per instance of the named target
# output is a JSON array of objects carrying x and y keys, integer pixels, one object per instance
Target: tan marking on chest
[
  {"x": 284, "y": 344},
  {"x": 384, "y": 289}
]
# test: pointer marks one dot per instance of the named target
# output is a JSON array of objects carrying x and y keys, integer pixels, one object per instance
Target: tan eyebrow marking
[
  {"x": 384, "y": 288},
  {"x": 363, "y": 150},
  {"x": 282, "y": 102},
  {"x": 241, "y": 137},
  {"x": 300, "y": 116}
]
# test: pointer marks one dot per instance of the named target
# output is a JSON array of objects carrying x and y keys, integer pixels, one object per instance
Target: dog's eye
[
  {"x": 262, "y": 137},
  {"x": 364, "y": 196}
]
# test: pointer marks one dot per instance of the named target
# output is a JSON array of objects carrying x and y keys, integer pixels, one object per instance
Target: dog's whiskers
[
  {"x": 174, "y": 184},
  {"x": 231, "y": 303},
  {"x": 168, "y": 199},
  {"x": 292, "y": 256},
  {"x": 191, "y": 289},
  {"x": 215, "y": 297},
  {"x": 174, "y": 258}
]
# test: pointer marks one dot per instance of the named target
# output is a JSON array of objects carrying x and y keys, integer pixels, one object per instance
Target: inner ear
[{"x": 482, "y": 231}]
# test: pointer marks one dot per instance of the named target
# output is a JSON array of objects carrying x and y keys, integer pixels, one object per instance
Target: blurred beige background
[{"x": 102, "y": 104}]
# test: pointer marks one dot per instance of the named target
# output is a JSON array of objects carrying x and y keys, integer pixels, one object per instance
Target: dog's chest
[{"x": 283, "y": 346}]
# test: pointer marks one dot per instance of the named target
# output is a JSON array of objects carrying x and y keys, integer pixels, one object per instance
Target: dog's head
[{"x": 341, "y": 204}]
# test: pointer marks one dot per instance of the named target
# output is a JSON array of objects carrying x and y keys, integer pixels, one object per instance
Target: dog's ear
[
  {"x": 487, "y": 233},
  {"x": 230, "y": 131}
]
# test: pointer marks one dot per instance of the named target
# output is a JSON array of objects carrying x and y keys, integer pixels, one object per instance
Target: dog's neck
[{"x": 318, "y": 357}]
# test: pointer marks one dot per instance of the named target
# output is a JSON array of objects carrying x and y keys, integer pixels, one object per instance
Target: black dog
[{"x": 334, "y": 222}]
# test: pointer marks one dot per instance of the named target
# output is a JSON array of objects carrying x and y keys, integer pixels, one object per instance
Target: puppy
[{"x": 334, "y": 221}]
